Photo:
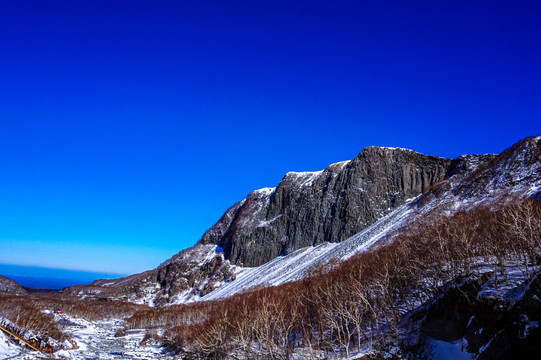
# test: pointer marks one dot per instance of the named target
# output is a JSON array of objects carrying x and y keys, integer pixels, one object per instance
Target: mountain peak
[{"x": 309, "y": 208}]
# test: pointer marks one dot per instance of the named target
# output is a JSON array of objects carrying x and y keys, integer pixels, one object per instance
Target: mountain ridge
[
  {"x": 309, "y": 208},
  {"x": 205, "y": 271}
]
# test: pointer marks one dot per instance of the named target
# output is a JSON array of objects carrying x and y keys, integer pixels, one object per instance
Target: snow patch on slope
[
  {"x": 265, "y": 191},
  {"x": 304, "y": 179},
  {"x": 302, "y": 262}
]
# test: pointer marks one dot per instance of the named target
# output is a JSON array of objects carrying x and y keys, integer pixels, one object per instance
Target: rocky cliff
[{"x": 310, "y": 208}]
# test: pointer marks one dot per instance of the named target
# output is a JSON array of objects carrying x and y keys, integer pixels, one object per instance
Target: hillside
[
  {"x": 474, "y": 180},
  {"x": 311, "y": 208},
  {"x": 412, "y": 183},
  {"x": 452, "y": 272},
  {"x": 9, "y": 286},
  {"x": 305, "y": 209}
]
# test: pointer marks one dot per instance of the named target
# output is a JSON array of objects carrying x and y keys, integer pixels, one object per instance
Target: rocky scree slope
[
  {"x": 184, "y": 278},
  {"x": 311, "y": 208}
]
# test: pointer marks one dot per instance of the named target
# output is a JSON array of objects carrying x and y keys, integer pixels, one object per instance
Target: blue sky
[{"x": 128, "y": 127}]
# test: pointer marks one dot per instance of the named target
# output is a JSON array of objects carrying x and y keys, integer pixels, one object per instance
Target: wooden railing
[{"x": 26, "y": 342}]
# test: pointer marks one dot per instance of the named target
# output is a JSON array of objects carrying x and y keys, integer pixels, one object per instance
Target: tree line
[{"x": 356, "y": 304}]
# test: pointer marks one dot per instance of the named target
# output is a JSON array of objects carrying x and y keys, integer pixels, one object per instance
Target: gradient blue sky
[{"x": 128, "y": 127}]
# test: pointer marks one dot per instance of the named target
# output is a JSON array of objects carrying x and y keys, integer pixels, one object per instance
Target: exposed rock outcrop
[
  {"x": 331, "y": 205},
  {"x": 490, "y": 328},
  {"x": 189, "y": 275}
]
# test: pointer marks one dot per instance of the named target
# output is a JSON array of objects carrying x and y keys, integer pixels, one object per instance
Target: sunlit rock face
[{"x": 310, "y": 208}]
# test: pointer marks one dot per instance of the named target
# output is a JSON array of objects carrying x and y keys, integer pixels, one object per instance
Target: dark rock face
[
  {"x": 331, "y": 205},
  {"x": 494, "y": 329}
]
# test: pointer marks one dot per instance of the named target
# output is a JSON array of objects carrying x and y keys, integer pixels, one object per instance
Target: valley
[{"x": 393, "y": 254}]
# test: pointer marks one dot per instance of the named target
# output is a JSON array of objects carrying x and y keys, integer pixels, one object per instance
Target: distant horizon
[
  {"x": 38, "y": 277},
  {"x": 5, "y": 265}
]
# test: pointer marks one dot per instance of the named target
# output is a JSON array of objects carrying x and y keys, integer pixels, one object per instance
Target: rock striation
[{"x": 310, "y": 208}]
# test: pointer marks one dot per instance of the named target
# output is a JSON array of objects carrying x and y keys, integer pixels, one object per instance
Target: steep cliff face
[{"x": 326, "y": 206}]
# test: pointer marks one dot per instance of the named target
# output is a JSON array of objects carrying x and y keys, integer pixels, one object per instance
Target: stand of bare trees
[
  {"x": 26, "y": 312},
  {"x": 358, "y": 303},
  {"x": 27, "y": 316},
  {"x": 343, "y": 307}
]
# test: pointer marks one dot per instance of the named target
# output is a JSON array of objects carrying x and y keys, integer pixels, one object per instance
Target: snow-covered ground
[
  {"x": 96, "y": 341},
  {"x": 7, "y": 349},
  {"x": 455, "y": 350}
]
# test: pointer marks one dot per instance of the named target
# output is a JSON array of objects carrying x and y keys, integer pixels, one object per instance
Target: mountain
[
  {"x": 310, "y": 208},
  {"x": 311, "y": 219},
  {"x": 444, "y": 262},
  {"x": 9, "y": 286},
  {"x": 452, "y": 273},
  {"x": 186, "y": 277}
]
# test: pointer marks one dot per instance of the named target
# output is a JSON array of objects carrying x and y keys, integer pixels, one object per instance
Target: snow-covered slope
[
  {"x": 302, "y": 262},
  {"x": 186, "y": 277}
]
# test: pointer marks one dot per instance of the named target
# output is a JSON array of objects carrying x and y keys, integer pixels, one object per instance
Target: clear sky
[{"x": 128, "y": 127}]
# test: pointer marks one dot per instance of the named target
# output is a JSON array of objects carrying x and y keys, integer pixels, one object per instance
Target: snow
[
  {"x": 530, "y": 326},
  {"x": 304, "y": 179},
  {"x": 96, "y": 341},
  {"x": 443, "y": 350},
  {"x": 338, "y": 166},
  {"x": 301, "y": 262},
  {"x": 7, "y": 349},
  {"x": 265, "y": 191},
  {"x": 484, "y": 347},
  {"x": 267, "y": 222},
  {"x": 509, "y": 286}
]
